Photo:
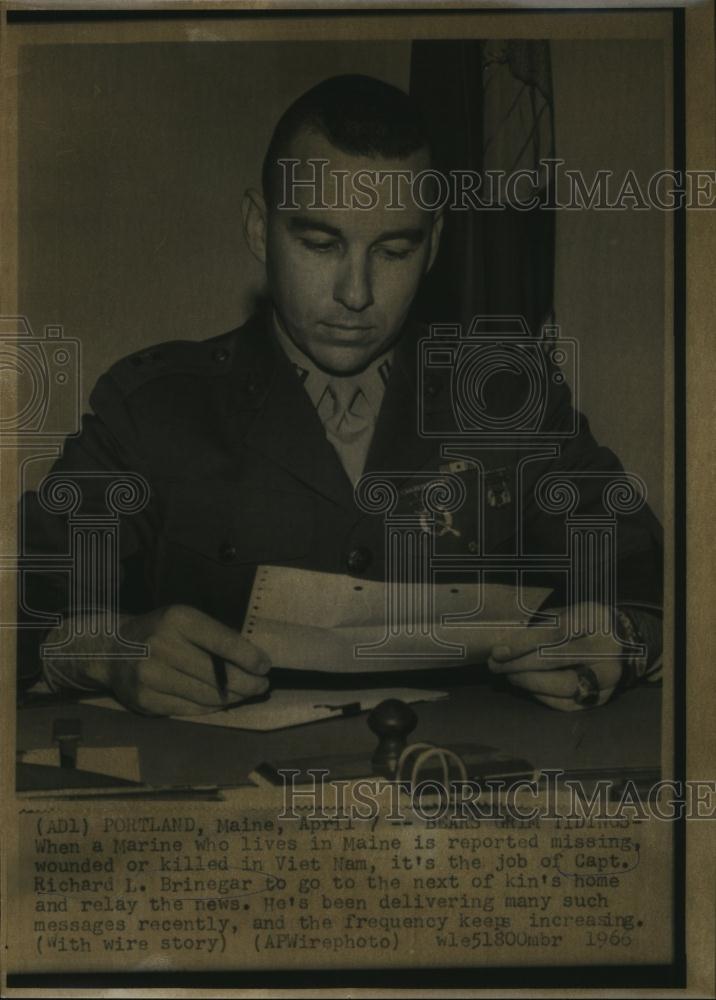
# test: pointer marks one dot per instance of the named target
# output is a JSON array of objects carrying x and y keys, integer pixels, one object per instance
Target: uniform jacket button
[
  {"x": 359, "y": 560},
  {"x": 227, "y": 552},
  {"x": 221, "y": 354}
]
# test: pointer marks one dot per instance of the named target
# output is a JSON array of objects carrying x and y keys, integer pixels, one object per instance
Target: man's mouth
[{"x": 350, "y": 327}]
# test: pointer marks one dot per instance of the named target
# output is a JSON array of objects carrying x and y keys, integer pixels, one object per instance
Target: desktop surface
[{"x": 625, "y": 733}]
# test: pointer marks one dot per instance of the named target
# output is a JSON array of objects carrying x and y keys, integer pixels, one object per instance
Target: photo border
[{"x": 627, "y": 976}]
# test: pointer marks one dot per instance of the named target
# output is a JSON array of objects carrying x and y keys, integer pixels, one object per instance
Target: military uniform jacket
[{"x": 239, "y": 473}]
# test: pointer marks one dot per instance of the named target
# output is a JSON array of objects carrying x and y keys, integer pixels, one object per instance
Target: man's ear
[
  {"x": 253, "y": 214},
  {"x": 435, "y": 234}
]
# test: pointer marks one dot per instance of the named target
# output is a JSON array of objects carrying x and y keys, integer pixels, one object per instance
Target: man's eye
[
  {"x": 391, "y": 253},
  {"x": 320, "y": 246}
]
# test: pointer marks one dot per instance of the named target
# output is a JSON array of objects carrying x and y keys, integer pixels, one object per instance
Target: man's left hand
[{"x": 584, "y": 675}]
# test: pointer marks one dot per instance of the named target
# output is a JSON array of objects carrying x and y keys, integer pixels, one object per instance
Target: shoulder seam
[{"x": 168, "y": 358}]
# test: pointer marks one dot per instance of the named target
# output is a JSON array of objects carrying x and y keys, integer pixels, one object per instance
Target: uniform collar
[
  {"x": 371, "y": 381},
  {"x": 269, "y": 412}
]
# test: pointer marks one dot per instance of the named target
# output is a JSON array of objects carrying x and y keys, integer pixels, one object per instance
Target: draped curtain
[{"x": 488, "y": 107}]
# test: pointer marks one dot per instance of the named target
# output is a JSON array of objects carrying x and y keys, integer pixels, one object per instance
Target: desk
[{"x": 623, "y": 733}]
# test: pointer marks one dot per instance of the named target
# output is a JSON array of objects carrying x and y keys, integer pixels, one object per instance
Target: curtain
[{"x": 487, "y": 107}]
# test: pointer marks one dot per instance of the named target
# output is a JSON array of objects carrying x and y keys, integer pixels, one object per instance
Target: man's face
[{"x": 342, "y": 279}]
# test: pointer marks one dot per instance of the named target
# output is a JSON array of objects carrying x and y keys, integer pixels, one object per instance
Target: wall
[
  {"x": 134, "y": 160},
  {"x": 609, "y": 269}
]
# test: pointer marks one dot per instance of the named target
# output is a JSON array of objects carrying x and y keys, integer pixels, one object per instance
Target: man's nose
[{"x": 353, "y": 287}]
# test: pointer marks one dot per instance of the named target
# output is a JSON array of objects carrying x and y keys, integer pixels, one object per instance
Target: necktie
[{"x": 349, "y": 426}]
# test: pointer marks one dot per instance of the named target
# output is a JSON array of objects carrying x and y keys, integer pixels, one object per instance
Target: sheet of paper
[
  {"x": 285, "y": 708},
  {"x": 306, "y": 620}
]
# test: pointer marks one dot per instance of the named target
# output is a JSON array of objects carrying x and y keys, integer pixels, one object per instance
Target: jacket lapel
[
  {"x": 417, "y": 431},
  {"x": 398, "y": 444},
  {"x": 277, "y": 418},
  {"x": 269, "y": 412}
]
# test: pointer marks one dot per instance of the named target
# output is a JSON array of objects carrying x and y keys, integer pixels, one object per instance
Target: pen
[
  {"x": 222, "y": 686},
  {"x": 222, "y": 681}
]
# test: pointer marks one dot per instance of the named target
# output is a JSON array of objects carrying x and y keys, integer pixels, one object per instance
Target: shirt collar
[{"x": 371, "y": 381}]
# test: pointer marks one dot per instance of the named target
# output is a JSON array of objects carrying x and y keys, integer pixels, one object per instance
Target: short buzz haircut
[{"x": 357, "y": 114}]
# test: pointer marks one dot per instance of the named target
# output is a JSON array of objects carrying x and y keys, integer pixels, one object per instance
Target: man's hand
[
  {"x": 584, "y": 679},
  {"x": 177, "y": 676}
]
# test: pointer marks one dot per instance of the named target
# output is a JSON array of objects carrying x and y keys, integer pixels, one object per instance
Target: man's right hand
[{"x": 177, "y": 676}]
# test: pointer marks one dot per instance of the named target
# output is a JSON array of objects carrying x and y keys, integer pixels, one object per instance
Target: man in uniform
[{"x": 252, "y": 443}]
